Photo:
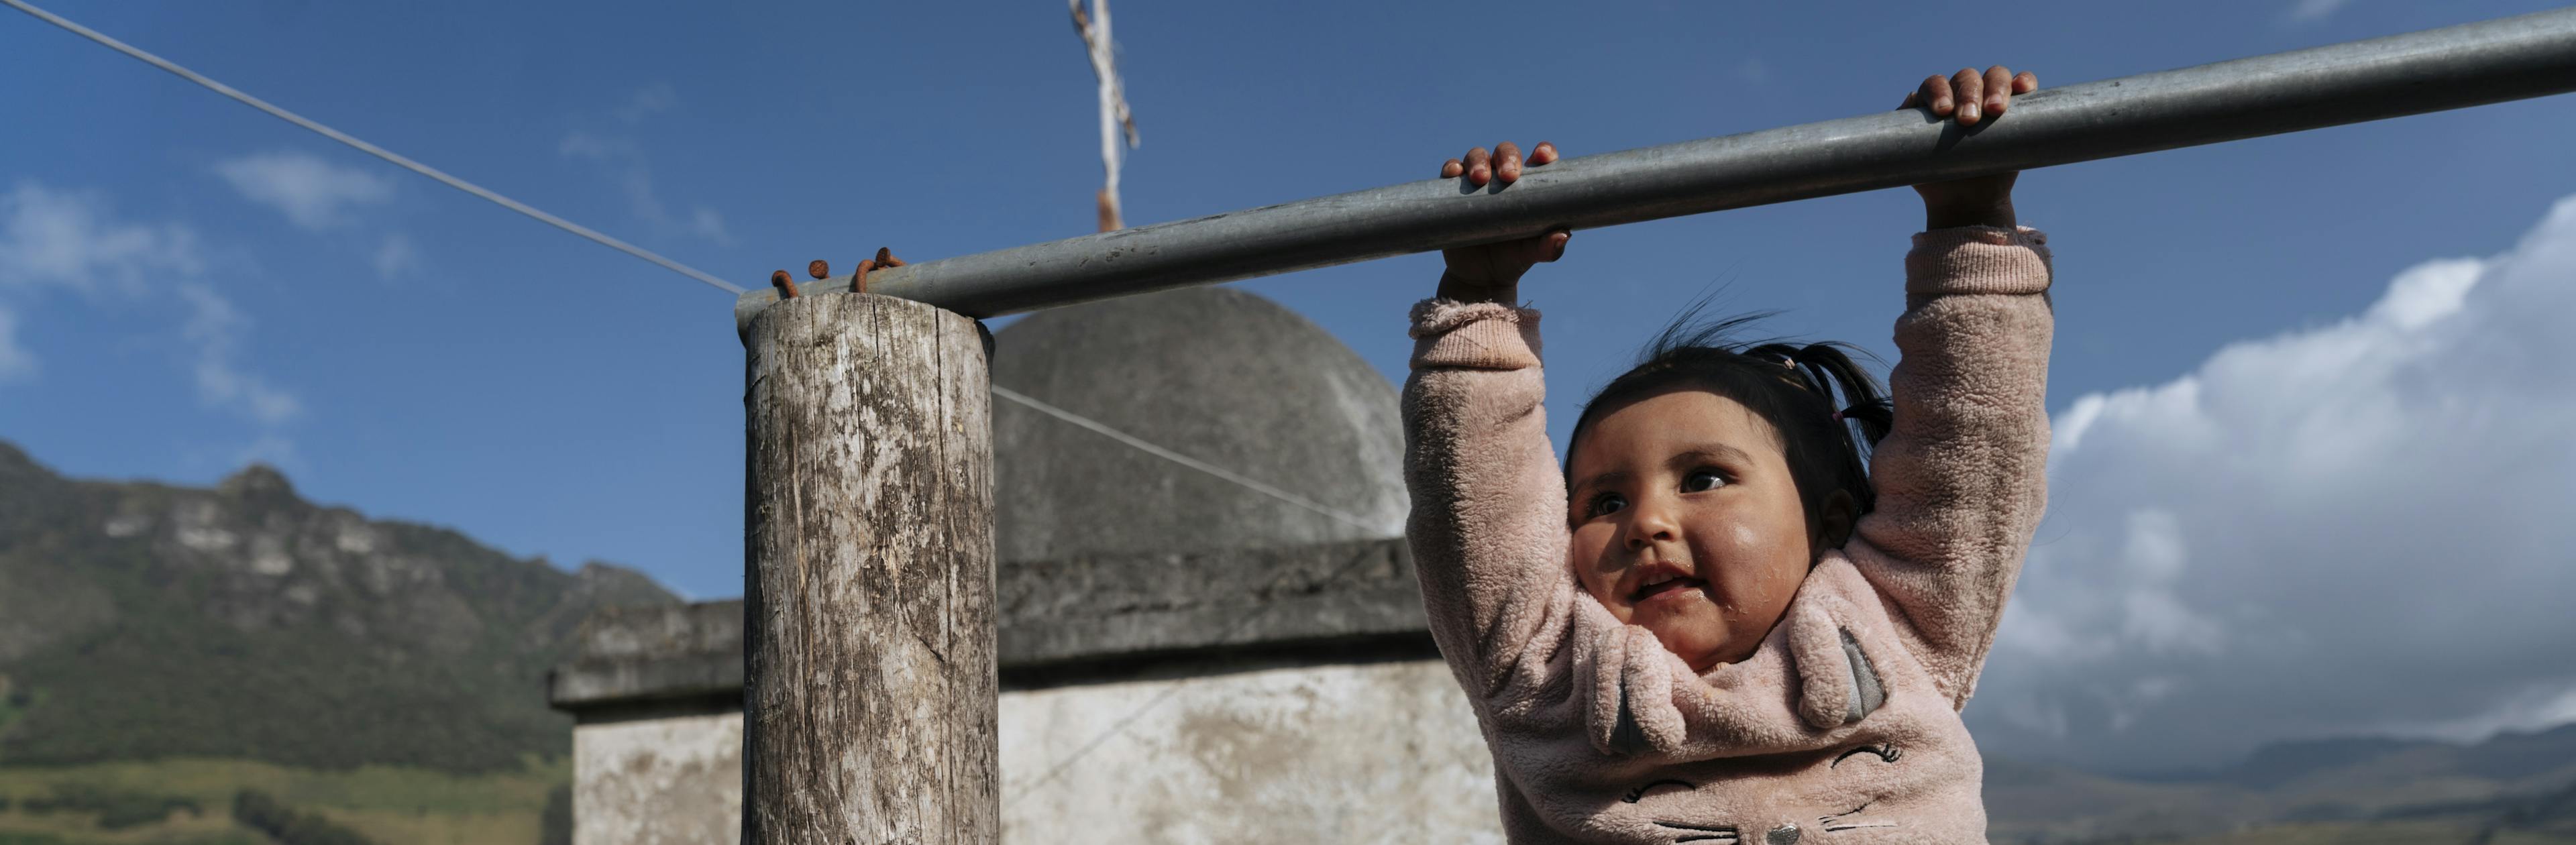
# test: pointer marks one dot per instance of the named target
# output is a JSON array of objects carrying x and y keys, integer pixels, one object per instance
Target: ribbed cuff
[
  {"x": 1478, "y": 335},
  {"x": 1978, "y": 259}
]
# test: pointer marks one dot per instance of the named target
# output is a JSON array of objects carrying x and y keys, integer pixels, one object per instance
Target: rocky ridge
[{"x": 142, "y": 620}]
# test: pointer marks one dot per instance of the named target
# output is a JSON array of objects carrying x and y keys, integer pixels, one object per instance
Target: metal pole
[{"x": 2471, "y": 64}]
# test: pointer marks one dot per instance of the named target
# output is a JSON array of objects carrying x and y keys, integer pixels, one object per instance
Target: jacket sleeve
[
  {"x": 1488, "y": 526},
  {"x": 1961, "y": 476}
]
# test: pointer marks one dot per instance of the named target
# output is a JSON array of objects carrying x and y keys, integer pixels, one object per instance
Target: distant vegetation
[
  {"x": 116, "y": 809},
  {"x": 255, "y": 810},
  {"x": 554, "y": 826},
  {"x": 142, "y": 621},
  {"x": 385, "y": 804}
]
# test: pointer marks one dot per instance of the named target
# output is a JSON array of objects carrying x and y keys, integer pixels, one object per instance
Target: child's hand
[
  {"x": 1492, "y": 272},
  {"x": 1972, "y": 98}
]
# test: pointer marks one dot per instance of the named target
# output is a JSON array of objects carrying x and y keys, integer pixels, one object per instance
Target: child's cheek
[
  {"x": 1593, "y": 569},
  {"x": 1752, "y": 572},
  {"x": 1727, "y": 551}
]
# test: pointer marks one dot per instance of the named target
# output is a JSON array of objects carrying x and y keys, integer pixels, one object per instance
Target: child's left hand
[{"x": 1970, "y": 97}]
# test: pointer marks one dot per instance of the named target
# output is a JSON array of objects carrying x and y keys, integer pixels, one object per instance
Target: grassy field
[{"x": 391, "y": 805}]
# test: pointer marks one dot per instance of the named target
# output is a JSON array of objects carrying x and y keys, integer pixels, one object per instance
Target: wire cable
[
  {"x": 371, "y": 149},
  {"x": 1178, "y": 458},
  {"x": 639, "y": 252},
  {"x": 1061, "y": 766}
]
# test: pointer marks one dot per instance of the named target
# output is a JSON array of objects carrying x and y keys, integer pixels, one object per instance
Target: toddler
[{"x": 1713, "y": 624}]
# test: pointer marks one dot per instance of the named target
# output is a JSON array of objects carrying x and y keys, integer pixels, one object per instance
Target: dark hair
[{"x": 1791, "y": 386}]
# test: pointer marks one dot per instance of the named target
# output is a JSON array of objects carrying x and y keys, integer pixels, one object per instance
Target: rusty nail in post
[
  {"x": 818, "y": 269},
  {"x": 786, "y": 287}
]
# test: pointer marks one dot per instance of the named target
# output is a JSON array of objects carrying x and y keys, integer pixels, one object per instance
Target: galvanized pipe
[{"x": 2471, "y": 64}]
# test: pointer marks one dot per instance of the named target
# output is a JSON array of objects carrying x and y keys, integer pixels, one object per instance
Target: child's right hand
[{"x": 1492, "y": 272}]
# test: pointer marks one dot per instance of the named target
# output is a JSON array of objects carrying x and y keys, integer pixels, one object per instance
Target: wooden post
[{"x": 869, "y": 691}]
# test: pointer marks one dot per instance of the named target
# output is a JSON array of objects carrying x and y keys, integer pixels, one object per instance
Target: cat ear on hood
[{"x": 1836, "y": 683}]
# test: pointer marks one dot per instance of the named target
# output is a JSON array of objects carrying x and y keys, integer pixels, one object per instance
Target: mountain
[
  {"x": 146, "y": 621},
  {"x": 2348, "y": 762},
  {"x": 2333, "y": 789}
]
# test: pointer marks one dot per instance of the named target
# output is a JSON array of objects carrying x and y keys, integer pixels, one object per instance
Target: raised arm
[
  {"x": 1488, "y": 524},
  {"x": 1961, "y": 477}
]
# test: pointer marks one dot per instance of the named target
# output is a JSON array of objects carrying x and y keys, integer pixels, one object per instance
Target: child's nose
[{"x": 1649, "y": 522}]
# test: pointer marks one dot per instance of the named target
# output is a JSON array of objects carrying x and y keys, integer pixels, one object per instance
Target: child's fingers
[
  {"x": 1998, "y": 89},
  {"x": 1935, "y": 94},
  {"x": 2025, "y": 83},
  {"x": 1507, "y": 162},
  {"x": 1452, "y": 169},
  {"x": 1970, "y": 88},
  {"x": 1542, "y": 154},
  {"x": 1538, "y": 250},
  {"x": 1479, "y": 166}
]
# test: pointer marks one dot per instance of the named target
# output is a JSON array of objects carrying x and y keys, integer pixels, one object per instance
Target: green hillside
[
  {"x": 141, "y": 621},
  {"x": 386, "y": 805}
]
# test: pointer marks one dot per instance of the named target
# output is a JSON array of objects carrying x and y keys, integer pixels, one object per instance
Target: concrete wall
[
  {"x": 1373, "y": 752},
  {"x": 1282, "y": 694},
  {"x": 658, "y": 781}
]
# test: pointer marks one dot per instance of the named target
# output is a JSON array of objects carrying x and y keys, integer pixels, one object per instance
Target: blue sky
[{"x": 187, "y": 284}]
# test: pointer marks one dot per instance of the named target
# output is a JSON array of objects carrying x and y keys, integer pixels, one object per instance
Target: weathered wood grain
[{"x": 870, "y": 696}]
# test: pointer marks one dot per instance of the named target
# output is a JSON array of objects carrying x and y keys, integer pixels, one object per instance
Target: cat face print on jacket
[{"x": 1778, "y": 827}]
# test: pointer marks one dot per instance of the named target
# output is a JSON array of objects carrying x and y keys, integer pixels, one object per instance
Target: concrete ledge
[
  {"x": 638, "y": 654},
  {"x": 1109, "y": 607},
  {"x": 1067, "y": 621}
]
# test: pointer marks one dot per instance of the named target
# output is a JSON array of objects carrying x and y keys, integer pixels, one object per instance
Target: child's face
[{"x": 1686, "y": 522}]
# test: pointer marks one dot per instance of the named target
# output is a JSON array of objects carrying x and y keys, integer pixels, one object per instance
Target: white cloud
[
  {"x": 313, "y": 193},
  {"x": 71, "y": 241},
  {"x": 16, "y": 363},
  {"x": 2539, "y": 706},
  {"x": 2359, "y": 528},
  {"x": 2316, "y": 10},
  {"x": 396, "y": 257},
  {"x": 647, "y": 101},
  {"x": 215, "y": 327},
  {"x": 68, "y": 239},
  {"x": 625, "y": 162}
]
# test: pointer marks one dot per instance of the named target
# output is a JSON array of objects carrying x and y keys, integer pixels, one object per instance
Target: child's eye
[
  {"x": 1605, "y": 504},
  {"x": 1702, "y": 480}
]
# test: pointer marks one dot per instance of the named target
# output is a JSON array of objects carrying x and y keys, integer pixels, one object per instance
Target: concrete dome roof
[{"x": 1217, "y": 374}]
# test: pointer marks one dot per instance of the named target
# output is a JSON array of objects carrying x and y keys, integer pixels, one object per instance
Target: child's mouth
[{"x": 1667, "y": 586}]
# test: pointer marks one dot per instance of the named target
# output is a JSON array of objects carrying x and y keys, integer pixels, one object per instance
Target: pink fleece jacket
[{"x": 1844, "y": 725}]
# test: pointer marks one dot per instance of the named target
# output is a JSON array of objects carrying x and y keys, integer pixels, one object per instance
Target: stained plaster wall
[
  {"x": 1378, "y": 752},
  {"x": 671, "y": 780}
]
